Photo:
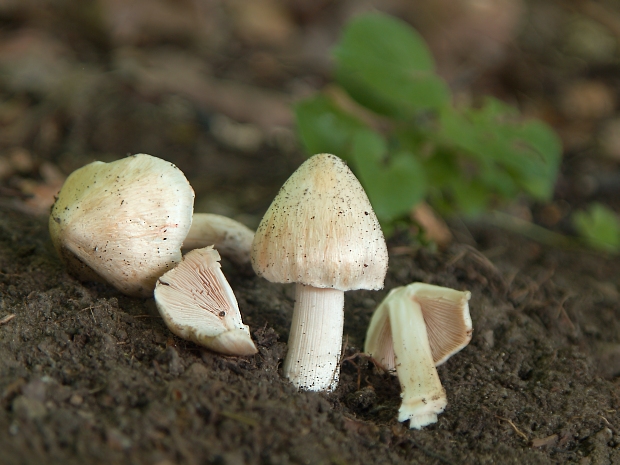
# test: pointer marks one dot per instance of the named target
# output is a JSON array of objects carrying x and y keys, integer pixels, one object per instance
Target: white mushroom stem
[
  {"x": 423, "y": 395},
  {"x": 315, "y": 342},
  {"x": 229, "y": 237}
]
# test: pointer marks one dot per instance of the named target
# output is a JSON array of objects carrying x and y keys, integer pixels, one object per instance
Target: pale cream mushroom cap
[
  {"x": 123, "y": 222},
  {"x": 197, "y": 304},
  {"x": 321, "y": 231},
  {"x": 447, "y": 319}
]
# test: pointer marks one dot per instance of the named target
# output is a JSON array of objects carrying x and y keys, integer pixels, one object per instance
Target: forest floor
[{"x": 88, "y": 375}]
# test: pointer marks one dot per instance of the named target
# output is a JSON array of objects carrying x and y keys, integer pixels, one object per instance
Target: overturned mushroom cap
[
  {"x": 321, "y": 231},
  {"x": 123, "y": 222},
  {"x": 447, "y": 319},
  {"x": 197, "y": 304}
]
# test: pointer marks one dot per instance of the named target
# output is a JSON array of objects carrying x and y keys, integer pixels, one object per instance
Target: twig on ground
[
  {"x": 6, "y": 319},
  {"x": 350, "y": 359},
  {"x": 365, "y": 355},
  {"x": 517, "y": 430},
  {"x": 532, "y": 231},
  {"x": 90, "y": 307},
  {"x": 611, "y": 427},
  {"x": 562, "y": 311},
  {"x": 402, "y": 250}
]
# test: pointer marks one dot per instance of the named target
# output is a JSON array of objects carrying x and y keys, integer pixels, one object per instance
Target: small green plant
[
  {"x": 408, "y": 142},
  {"x": 599, "y": 227}
]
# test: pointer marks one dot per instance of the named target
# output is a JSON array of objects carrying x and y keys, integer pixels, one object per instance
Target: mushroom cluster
[
  {"x": 415, "y": 329},
  {"x": 125, "y": 222},
  {"x": 321, "y": 233}
]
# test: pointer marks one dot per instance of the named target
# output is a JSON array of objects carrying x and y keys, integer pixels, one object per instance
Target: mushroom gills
[{"x": 197, "y": 304}]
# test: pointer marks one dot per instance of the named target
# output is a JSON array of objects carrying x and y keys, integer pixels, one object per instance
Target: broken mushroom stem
[
  {"x": 315, "y": 341},
  {"x": 423, "y": 395},
  {"x": 413, "y": 330},
  {"x": 230, "y": 237}
]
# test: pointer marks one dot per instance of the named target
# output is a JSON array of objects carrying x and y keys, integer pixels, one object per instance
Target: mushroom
[
  {"x": 321, "y": 233},
  {"x": 124, "y": 222},
  {"x": 415, "y": 329},
  {"x": 197, "y": 304}
]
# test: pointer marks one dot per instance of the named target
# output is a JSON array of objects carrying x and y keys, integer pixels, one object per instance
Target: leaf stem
[{"x": 532, "y": 231}]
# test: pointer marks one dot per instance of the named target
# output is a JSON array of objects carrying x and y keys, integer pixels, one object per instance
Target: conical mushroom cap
[
  {"x": 197, "y": 304},
  {"x": 123, "y": 222},
  {"x": 446, "y": 315},
  {"x": 321, "y": 231}
]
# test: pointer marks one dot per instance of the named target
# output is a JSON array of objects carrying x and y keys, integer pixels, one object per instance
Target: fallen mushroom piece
[
  {"x": 231, "y": 238},
  {"x": 197, "y": 304},
  {"x": 415, "y": 329},
  {"x": 321, "y": 233},
  {"x": 123, "y": 222}
]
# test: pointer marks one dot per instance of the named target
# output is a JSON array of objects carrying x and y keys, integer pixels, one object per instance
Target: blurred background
[{"x": 209, "y": 85}]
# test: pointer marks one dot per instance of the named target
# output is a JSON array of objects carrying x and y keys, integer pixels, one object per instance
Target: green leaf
[
  {"x": 464, "y": 160},
  {"x": 385, "y": 65},
  {"x": 600, "y": 227},
  {"x": 546, "y": 152},
  {"x": 505, "y": 154},
  {"x": 471, "y": 198},
  {"x": 528, "y": 150},
  {"x": 394, "y": 183},
  {"x": 325, "y": 128}
]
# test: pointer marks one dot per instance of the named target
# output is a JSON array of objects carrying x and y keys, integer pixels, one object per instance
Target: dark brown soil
[
  {"x": 91, "y": 376},
  {"x": 88, "y": 375}
]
